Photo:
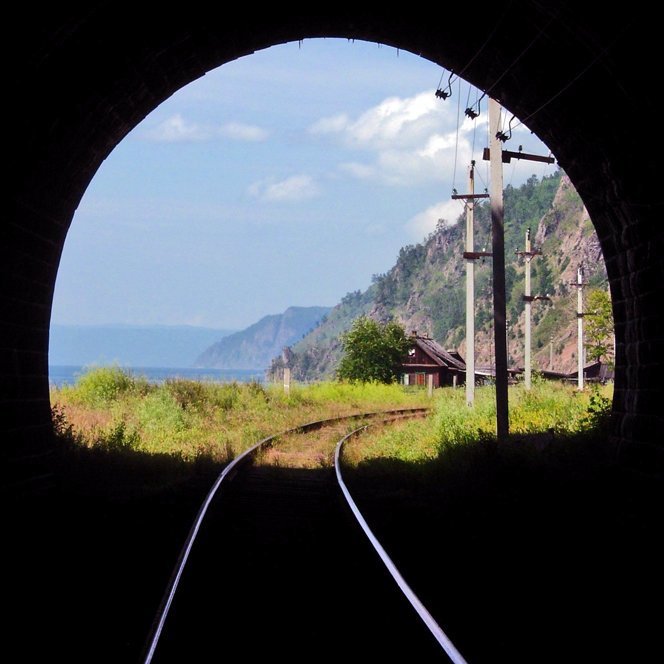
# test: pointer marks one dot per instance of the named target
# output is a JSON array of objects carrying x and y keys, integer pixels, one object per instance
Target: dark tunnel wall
[{"x": 580, "y": 80}]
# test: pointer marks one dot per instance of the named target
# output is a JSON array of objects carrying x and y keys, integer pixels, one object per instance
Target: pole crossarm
[
  {"x": 474, "y": 255},
  {"x": 533, "y": 298},
  {"x": 508, "y": 155},
  {"x": 468, "y": 197}
]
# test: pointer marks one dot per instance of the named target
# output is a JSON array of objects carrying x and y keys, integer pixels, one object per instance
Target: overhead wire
[{"x": 456, "y": 142}]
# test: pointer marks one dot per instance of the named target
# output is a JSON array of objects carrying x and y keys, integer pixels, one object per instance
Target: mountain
[
  {"x": 425, "y": 289},
  {"x": 254, "y": 347},
  {"x": 130, "y": 345}
]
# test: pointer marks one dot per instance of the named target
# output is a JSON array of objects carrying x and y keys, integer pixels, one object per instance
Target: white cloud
[
  {"x": 424, "y": 222},
  {"x": 178, "y": 130},
  {"x": 243, "y": 132},
  {"x": 333, "y": 124},
  {"x": 294, "y": 188},
  {"x": 393, "y": 122},
  {"x": 410, "y": 140}
]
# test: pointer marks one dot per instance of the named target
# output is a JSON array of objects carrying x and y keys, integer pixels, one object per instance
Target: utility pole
[
  {"x": 579, "y": 319},
  {"x": 498, "y": 250},
  {"x": 470, "y": 256},
  {"x": 496, "y": 157},
  {"x": 528, "y": 298},
  {"x": 528, "y": 256},
  {"x": 551, "y": 353}
]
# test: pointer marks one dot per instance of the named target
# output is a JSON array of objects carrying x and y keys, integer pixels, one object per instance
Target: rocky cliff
[{"x": 425, "y": 290}]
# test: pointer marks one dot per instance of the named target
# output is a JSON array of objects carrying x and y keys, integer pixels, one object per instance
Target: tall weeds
[{"x": 110, "y": 407}]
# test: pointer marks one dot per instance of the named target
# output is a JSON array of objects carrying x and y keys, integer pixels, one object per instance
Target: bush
[
  {"x": 118, "y": 438},
  {"x": 188, "y": 394},
  {"x": 159, "y": 414},
  {"x": 103, "y": 385}
]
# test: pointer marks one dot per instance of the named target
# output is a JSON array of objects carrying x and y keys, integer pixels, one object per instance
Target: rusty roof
[{"x": 442, "y": 357}]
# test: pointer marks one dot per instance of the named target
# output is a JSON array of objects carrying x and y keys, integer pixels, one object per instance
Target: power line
[{"x": 456, "y": 142}]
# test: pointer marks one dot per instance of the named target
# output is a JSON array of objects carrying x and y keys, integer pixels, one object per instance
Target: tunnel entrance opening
[
  {"x": 71, "y": 123},
  {"x": 61, "y": 158}
]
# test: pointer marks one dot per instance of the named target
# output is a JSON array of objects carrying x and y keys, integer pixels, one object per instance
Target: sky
[{"x": 285, "y": 178}]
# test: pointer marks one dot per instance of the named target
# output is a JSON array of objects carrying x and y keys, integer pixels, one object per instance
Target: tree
[
  {"x": 372, "y": 351},
  {"x": 599, "y": 325}
]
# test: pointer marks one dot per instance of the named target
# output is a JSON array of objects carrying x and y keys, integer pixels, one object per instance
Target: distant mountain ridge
[
  {"x": 172, "y": 346},
  {"x": 255, "y": 347}
]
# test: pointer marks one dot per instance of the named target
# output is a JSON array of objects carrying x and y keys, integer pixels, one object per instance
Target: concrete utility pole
[
  {"x": 498, "y": 250},
  {"x": 528, "y": 299},
  {"x": 579, "y": 319},
  {"x": 496, "y": 157},
  {"x": 470, "y": 292},
  {"x": 551, "y": 353},
  {"x": 470, "y": 256},
  {"x": 527, "y": 362}
]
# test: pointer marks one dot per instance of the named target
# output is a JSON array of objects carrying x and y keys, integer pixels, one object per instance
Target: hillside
[
  {"x": 425, "y": 290},
  {"x": 130, "y": 345},
  {"x": 254, "y": 347}
]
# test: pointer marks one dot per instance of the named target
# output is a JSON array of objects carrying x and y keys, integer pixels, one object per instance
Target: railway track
[{"x": 276, "y": 566}]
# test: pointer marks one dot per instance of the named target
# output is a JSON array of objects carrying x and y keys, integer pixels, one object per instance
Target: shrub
[
  {"x": 118, "y": 438},
  {"x": 160, "y": 414},
  {"x": 102, "y": 385},
  {"x": 188, "y": 394}
]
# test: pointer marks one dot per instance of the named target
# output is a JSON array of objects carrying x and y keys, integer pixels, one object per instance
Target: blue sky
[{"x": 288, "y": 177}]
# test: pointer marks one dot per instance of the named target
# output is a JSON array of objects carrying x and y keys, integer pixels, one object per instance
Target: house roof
[{"x": 442, "y": 357}]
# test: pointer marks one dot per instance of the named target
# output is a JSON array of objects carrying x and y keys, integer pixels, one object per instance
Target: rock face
[
  {"x": 425, "y": 290},
  {"x": 254, "y": 347}
]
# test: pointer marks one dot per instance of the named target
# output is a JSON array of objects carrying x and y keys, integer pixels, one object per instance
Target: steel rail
[
  {"x": 167, "y": 600},
  {"x": 422, "y": 611}
]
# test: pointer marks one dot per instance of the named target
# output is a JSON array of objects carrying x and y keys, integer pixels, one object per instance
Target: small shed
[
  {"x": 594, "y": 372},
  {"x": 427, "y": 357}
]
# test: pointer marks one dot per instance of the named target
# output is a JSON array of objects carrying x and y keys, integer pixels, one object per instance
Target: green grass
[
  {"x": 549, "y": 409},
  {"x": 110, "y": 408}
]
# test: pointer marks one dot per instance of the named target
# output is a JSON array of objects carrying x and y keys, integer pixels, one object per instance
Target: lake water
[{"x": 67, "y": 375}]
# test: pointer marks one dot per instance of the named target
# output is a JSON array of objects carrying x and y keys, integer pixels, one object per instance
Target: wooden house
[{"x": 427, "y": 357}]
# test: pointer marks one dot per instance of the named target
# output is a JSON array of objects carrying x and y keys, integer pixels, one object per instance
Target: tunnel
[{"x": 582, "y": 79}]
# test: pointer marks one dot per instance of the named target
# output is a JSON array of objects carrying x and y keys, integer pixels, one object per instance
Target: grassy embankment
[
  {"x": 190, "y": 423},
  {"x": 177, "y": 427}
]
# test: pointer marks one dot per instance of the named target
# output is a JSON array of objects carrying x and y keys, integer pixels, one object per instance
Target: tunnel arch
[{"x": 87, "y": 78}]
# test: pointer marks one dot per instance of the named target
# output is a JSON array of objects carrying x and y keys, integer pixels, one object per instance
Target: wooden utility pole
[
  {"x": 498, "y": 250},
  {"x": 470, "y": 256}
]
